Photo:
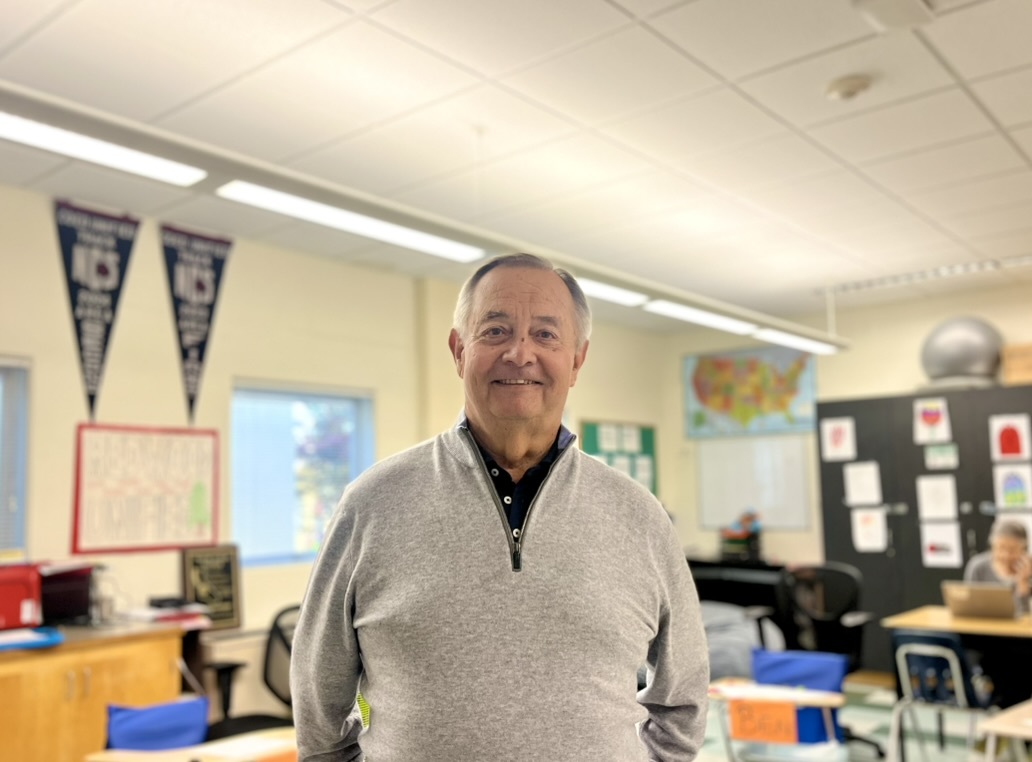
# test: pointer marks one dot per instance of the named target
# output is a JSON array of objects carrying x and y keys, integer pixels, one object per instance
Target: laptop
[{"x": 985, "y": 600}]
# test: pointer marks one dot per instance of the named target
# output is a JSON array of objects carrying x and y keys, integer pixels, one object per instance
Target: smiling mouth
[{"x": 515, "y": 382}]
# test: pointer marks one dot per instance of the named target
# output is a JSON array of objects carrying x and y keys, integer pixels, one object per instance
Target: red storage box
[{"x": 20, "y": 603}]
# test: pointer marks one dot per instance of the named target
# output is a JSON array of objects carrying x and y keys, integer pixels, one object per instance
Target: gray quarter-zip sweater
[{"x": 469, "y": 649}]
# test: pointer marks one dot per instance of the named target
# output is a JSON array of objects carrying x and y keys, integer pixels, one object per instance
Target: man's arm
[
  {"x": 678, "y": 662},
  {"x": 325, "y": 663}
]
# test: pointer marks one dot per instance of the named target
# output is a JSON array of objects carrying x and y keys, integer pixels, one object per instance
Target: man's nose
[{"x": 519, "y": 351}]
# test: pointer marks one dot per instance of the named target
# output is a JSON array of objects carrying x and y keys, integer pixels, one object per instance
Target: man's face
[
  {"x": 518, "y": 357},
  {"x": 1007, "y": 551}
]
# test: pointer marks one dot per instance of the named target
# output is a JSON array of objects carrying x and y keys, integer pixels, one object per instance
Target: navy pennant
[
  {"x": 195, "y": 264},
  {"x": 95, "y": 248}
]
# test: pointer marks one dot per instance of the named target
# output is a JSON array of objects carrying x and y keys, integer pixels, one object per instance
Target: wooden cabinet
[{"x": 53, "y": 702}]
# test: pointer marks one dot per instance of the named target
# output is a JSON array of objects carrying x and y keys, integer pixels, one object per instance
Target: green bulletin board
[{"x": 627, "y": 447}]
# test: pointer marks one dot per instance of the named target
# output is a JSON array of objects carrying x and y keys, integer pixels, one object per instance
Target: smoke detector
[{"x": 846, "y": 88}]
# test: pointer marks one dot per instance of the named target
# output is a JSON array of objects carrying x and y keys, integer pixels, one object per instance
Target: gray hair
[
  {"x": 464, "y": 306},
  {"x": 1009, "y": 527}
]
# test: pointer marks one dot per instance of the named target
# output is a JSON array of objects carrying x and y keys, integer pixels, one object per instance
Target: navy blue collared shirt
[{"x": 516, "y": 498}]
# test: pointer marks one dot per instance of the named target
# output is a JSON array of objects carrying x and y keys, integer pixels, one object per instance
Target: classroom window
[
  {"x": 292, "y": 455},
  {"x": 14, "y": 413}
]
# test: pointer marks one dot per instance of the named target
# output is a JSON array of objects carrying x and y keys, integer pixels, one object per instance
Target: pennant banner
[
  {"x": 195, "y": 265},
  {"x": 95, "y": 248}
]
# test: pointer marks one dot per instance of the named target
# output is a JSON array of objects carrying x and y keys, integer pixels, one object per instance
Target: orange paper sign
[{"x": 763, "y": 721}]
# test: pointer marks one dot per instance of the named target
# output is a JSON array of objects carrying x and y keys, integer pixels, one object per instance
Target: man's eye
[
  {"x": 495, "y": 331},
  {"x": 547, "y": 335}
]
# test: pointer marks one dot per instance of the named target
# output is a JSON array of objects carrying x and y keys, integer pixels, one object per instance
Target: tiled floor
[{"x": 867, "y": 713}]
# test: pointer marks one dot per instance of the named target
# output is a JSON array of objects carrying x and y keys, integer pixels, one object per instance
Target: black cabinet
[{"x": 898, "y": 579}]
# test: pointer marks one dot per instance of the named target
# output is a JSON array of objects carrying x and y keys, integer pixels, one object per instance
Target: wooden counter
[{"x": 53, "y": 701}]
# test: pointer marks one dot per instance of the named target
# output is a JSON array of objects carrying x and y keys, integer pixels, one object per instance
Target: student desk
[
  {"x": 274, "y": 745},
  {"x": 939, "y": 619},
  {"x": 761, "y": 726},
  {"x": 1015, "y": 722}
]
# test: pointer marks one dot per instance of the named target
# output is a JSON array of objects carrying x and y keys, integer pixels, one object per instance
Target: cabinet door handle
[
  {"x": 70, "y": 685},
  {"x": 87, "y": 673}
]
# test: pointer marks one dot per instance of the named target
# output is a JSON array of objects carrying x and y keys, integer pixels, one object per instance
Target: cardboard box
[{"x": 1016, "y": 364}]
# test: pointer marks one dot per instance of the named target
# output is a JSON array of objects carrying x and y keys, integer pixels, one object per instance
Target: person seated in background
[{"x": 1006, "y": 563}]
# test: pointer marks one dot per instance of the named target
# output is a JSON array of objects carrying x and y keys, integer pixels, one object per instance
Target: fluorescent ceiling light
[
  {"x": 610, "y": 293},
  {"x": 349, "y": 222},
  {"x": 701, "y": 317},
  {"x": 78, "y": 146},
  {"x": 796, "y": 342}
]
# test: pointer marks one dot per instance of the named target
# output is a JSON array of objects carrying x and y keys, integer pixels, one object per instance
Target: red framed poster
[{"x": 144, "y": 488}]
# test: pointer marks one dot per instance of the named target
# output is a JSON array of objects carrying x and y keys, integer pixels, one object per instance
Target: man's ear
[
  {"x": 458, "y": 350},
  {"x": 578, "y": 361}
]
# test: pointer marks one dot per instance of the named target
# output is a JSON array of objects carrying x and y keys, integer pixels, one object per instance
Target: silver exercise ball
[{"x": 962, "y": 346}]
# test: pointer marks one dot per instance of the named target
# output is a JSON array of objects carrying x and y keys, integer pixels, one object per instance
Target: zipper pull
[{"x": 517, "y": 562}]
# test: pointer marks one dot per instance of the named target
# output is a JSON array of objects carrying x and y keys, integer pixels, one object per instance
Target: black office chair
[
  {"x": 276, "y": 674},
  {"x": 819, "y": 607}
]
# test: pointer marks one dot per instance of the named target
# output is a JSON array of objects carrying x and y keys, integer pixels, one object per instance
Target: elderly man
[{"x": 493, "y": 592}]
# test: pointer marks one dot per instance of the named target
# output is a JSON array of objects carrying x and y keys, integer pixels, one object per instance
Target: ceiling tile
[
  {"x": 449, "y": 136},
  {"x": 499, "y": 35},
  {"x": 1013, "y": 244},
  {"x": 562, "y": 166},
  {"x": 998, "y": 190},
  {"x": 898, "y": 66},
  {"x": 1004, "y": 219},
  {"x": 985, "y": 38},
  {"x": 140, "y": 59},
  {"x": 914, "y": 125},
  {"x": 695, "y": 125},
  {"x": 740, "y": 37},
  {"x": 777, "y": 160},
  {"x": 346, "y": 80},
  {"x": 1007, "y": 96},
  {"x": 20, "y": 16},
  {"x": 20, "y": 165},
  {"x": 620, "y": 73},
  {"x": 802, "y": 199},
  {"x": 1024, "y": 138},
  {"x": 633, "y": 198},
  {"x": 946, "y": 165},
  {"x": 644, "y": 8},
  {"x": 90, "y": 183}
]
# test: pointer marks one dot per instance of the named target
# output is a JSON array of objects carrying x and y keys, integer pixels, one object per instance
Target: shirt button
[
  {"x": 507, "y": 500},
  {"x": 494, "y": 472}
]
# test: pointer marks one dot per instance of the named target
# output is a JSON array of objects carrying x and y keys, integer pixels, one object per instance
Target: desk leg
[
  {"x": 193, "y": 657},
  {"x": 990, "y": 747}
]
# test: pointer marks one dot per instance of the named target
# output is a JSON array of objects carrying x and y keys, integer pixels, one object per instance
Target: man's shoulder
[{"x": 419, "y": 461}]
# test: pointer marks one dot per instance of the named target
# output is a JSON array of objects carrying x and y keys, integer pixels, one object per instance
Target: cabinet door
[
  {"x": 17, "y": 687},
  {"x": 145, "y": 672},
  {"x": 52, "y": 692}
]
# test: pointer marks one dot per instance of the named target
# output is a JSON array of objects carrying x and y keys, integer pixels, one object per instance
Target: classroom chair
[
  {"x": 933, "y": 671},
  {"x": 158, "y": 727},
  {"x": 797, "y": 725},
  {"x": 276, "y": 674},
  {"x": 819, "y": 606}
]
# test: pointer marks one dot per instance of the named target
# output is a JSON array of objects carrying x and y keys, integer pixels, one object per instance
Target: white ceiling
[{"x": 684, "y": 142}]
